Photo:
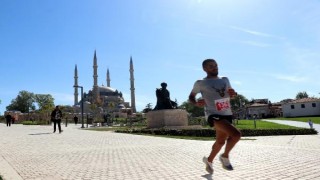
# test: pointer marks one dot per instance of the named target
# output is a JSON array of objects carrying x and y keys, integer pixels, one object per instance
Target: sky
[{"x": 267, "y": 48}]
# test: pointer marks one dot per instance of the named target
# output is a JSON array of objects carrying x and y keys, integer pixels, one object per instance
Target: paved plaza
[{"x": 34, "y": 152}]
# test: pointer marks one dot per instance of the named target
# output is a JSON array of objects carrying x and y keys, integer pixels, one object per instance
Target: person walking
[
  {"x": 310, "y": 123},
  {"x": 216, "y": 93},
  {"x": 75, "y": 118},
  {"x": 8, "y": 119},
  {"x": 56, "y": 116}
]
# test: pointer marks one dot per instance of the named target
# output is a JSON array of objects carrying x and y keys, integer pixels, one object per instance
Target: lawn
[
  {"x": 241, "y": 124},
  {"x": 315, "y": 120},
  {"x": 249, "y": 124}
]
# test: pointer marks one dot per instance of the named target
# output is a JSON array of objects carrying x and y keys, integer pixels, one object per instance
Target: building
[
  {"x": 302, "y": 107},
  {"x": 263, "y": 108},
  {"x": 258, "y": 108},
  {"x": 106, "y": 98}
]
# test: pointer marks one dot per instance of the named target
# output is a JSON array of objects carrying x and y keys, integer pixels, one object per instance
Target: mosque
[{"x": 108, "y": 99}]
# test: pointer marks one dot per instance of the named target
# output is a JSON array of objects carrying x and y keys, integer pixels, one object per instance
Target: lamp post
[{"x": 82, "y": 126}]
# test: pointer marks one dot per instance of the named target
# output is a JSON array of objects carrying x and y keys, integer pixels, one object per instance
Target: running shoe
[
  {"x": 209, "y": 167},
  {"x": 225, "y": 163}
]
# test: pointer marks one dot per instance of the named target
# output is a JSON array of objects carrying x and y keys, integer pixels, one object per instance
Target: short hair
[{"x": 205, "y": 62}]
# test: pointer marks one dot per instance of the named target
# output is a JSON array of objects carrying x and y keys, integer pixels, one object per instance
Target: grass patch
[
  {"x": 249, "y": 124},
  {"x": 112, "y": 128},
  {"x": 207, "y": 133},
  {"x": 315, "y": 120}
]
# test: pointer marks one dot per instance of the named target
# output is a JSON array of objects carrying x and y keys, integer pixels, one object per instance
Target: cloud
[
  {"x": 291, "y": 78},
  {"x": 255, "y": 33},
  {"x": 305, "y": 62},
  {"x": 258, "y": 44}
]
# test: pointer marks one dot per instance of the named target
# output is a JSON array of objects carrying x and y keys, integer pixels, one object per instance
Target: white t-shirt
[{"x": 215, "y": 94}]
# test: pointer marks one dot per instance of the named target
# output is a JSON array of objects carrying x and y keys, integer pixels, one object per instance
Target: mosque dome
[{"x": 106, "y": 89}]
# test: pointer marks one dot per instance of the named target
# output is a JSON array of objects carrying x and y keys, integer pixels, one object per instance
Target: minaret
[
  {"x": 133, "y": 101},
  {"x": 75, "y": 84},
  {"x": 108, "y": 78},
  {"x": 95, "y": 78}
]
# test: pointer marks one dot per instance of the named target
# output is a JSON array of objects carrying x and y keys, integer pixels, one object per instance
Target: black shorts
[{"x": 216, "y": 117}]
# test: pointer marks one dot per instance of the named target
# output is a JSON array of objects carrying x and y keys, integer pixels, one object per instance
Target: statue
[{"x": 163, "y": 98}]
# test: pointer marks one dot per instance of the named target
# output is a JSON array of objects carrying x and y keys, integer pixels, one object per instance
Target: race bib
[{"x": 222, "y": 104}]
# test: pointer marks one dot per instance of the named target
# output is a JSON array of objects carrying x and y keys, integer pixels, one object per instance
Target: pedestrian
[
  {"x": 75, "y": 118},
  {"x": 8, "y": 119},
  {"x": 56, "y": 116},
  {"x": 216, "y": 93},
  {"x": 310, "y": 123}
]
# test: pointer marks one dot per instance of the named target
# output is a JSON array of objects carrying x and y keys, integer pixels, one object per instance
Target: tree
[
  {"x": 147, "y": 108},
  {"x": 45, "y": 102},
  {"x": 302, "y": 95},
  {"x": 238, "y": 102},
  {"x": 190, "y": 108},
  {"x": 23, "y": 102}
]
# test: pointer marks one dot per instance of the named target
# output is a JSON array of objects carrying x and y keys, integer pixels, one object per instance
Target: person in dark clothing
[
  {"x": 75, "y": 118},
  {"x": 56, "y": 116},
  {"x": 8, "y": 119}
]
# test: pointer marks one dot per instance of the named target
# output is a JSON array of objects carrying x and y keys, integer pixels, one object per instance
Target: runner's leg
[
  {"x": 233, "y": 135},
  {"x": 220, "y": 140}
]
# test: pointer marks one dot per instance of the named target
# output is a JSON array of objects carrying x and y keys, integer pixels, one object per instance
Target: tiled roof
[
  {"x": 304, "y": 100},
  {"x": 258, "y": 105}
]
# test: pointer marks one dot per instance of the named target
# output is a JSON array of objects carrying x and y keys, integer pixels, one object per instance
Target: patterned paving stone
[{"x": 34, "y": 152}]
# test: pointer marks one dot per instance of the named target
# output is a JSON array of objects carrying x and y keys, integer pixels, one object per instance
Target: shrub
[
  {"x": 212, "y": 133},
  {"x": 29, "y": 123}
]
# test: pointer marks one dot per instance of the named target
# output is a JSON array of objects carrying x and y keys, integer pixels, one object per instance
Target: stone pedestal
[{"x": 167, "y": 118}]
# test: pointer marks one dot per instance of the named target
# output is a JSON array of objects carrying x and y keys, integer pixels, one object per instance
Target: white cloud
[
  {"x": 253, "y": 43},
  {"x": 291, "y": 78},
  {"x": 255, "y": 33}
]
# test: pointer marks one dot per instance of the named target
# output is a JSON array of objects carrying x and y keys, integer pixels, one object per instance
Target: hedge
[{"x": 212, "y": 133}]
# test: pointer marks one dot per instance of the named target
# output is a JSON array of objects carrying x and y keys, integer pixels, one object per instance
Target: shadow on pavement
[{"x": 207, "y": 176}]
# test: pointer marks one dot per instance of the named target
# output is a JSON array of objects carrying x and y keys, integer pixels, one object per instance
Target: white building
[{"x": 302, "y": 107}]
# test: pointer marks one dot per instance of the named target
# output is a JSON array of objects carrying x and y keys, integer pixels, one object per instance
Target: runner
[{"x": 216, "y": 93}]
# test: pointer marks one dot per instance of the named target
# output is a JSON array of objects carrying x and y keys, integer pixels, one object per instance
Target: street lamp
[{"x": 81, "y": 104}]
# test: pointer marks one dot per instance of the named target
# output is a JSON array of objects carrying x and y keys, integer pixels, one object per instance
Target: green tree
[
  {"x": 190, "y": 108},
  {"x": 238, "y": 102},
  {"x": 45, "y": 102},
  {"x": 23, "y": 102},
  {"x": 147, "y": 108},
  {"x": 302, "y": 95}
]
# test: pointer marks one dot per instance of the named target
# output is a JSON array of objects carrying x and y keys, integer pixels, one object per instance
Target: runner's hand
[
  {"x": 201, "y": 103},
  {"x": 232, "y": 93}
]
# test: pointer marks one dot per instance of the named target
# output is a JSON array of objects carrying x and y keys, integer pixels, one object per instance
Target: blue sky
[{"x": 267, "y": 48}]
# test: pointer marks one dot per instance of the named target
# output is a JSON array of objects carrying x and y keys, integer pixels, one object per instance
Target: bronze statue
[{"x": 163, "y": 98}]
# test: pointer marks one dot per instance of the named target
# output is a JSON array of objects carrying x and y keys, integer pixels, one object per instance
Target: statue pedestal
[{"x": 167, "y": 118}]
